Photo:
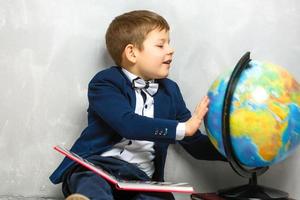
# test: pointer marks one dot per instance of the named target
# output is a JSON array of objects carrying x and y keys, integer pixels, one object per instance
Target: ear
[{"x": 130, "y": 53}]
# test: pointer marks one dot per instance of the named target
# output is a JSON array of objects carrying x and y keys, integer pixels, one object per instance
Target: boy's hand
[{"x": 193, "y": 124}]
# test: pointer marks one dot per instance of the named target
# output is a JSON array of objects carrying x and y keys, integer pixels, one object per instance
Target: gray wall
[{"x": 50, "y": 49}]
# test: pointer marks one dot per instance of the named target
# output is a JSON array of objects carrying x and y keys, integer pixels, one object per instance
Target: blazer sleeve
[
  {"x": 110, "y": 102},
  {"x": 198, "y": 145}
]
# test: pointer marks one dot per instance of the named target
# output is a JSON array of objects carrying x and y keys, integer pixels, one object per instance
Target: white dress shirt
[{"x": 139, "y": 152}]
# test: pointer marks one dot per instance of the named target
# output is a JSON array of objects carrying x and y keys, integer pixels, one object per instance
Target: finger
[
  {"x": 204, "y": 102},
  {"x": 202, "y": 105},
  {"x": 201, "y": 110}
]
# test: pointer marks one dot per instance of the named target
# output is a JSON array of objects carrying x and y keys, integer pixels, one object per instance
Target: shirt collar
[
  {"x": 132, "y": 76},
  {"x": 129, "y": 75}
]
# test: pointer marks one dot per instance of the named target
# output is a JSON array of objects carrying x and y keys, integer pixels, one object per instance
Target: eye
[{"x": 160, "y": 46}]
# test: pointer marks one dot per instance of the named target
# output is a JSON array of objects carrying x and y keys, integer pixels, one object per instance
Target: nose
[{"x": 171, "y": 50}]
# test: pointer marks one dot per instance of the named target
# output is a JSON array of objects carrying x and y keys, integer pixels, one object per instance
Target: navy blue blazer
[{"x": 111, "y": 117}]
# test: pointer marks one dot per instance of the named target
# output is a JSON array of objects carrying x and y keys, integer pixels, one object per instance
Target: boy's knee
[
  {"x": 90, "y": 185},
  {"x": 77, "y": 197}
]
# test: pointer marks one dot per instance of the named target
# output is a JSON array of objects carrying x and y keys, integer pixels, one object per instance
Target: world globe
[
  {"x": 254, "y": 121},
  {"x": 264, "y": 114}
]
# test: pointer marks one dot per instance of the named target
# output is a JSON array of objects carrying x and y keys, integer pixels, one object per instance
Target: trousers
[{"x": 83, "y": 181}]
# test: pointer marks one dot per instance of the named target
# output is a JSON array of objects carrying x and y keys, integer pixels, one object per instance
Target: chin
[{"x": 163, "y": 76}]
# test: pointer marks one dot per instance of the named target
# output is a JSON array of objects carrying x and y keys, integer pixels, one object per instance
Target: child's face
[{"x": 153, "y": 61}]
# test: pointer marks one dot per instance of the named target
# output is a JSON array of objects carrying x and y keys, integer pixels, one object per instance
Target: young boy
[{"x": 134, "y": 113}]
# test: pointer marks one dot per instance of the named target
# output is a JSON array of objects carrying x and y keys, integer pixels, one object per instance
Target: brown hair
[{"x": 131, "y": 28}]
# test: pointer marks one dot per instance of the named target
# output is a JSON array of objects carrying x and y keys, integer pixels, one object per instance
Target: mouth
[{"x": 167, "y": 62}]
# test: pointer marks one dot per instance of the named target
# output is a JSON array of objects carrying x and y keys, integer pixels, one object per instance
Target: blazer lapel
[{"x": 161, "y": 104}]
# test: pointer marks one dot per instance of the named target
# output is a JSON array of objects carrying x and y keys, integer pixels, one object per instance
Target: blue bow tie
[{"x": 147, "y": 86}]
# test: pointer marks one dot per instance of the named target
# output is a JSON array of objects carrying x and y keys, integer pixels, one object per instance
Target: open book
[{"x": 147, "y": 186}]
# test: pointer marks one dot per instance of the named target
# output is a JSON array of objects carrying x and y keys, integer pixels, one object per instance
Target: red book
[{"x": 147, "y": 186}]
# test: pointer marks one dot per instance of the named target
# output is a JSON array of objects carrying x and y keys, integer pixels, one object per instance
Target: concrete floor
[
  {"x": 177, "y": 197},
  {"x": 27, "y": 198}
]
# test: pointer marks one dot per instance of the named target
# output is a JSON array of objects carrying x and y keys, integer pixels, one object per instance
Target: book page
[{"x": 130, "y": 184}]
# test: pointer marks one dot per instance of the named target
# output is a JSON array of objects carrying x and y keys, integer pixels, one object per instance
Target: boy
[{"x": 134, "y": 113}]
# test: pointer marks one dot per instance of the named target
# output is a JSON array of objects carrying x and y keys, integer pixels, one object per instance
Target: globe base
[{"x": 253, "y": 192}]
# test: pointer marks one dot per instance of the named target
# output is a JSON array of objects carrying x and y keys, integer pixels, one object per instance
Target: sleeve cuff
[{"x": 180, "y": 131}]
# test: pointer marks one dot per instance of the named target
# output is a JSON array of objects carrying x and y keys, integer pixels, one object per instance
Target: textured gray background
[{"x": 50, "y": 49}]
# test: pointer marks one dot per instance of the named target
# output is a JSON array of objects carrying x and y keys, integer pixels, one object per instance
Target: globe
[{"x": 264, "y": 115}]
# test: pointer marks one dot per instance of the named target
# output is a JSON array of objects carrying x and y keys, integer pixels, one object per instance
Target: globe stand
[{"x": 251, "y": 190}]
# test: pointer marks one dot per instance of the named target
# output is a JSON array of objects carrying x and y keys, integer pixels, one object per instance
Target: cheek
[
  {"x": 154, "y": 53},
  {"x": 153, "y": 62}
]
